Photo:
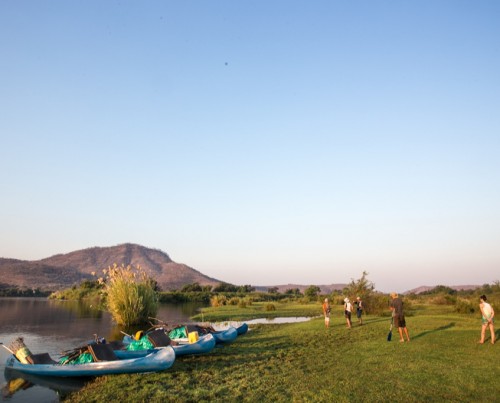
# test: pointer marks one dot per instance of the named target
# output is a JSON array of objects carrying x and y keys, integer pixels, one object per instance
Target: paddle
[
  {"x": 389, "y": 335},
  {"x": 7, "y": 348}
]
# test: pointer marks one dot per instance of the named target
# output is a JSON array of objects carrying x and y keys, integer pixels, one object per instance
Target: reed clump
[
  {"x": 130, "y": 295},
  {"x": 218, "y": 300}
]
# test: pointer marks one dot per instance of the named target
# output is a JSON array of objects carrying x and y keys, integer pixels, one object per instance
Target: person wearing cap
[
  {"x": 359, "y": 310},
  {"x": 347, "y": 312},
  {"x": 399, "y": 317},
  {"x": 326, "y": 312}
]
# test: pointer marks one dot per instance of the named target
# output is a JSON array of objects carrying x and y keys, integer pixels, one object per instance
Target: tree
[
  {"x": 312, "y": 291},
  {"x": 247, "y": 288},
  {"x": 195, "y": 287},
  {"x": 496, "y": 285},
  {"x": 272, "y": 290},
  {"x": 225, "y": 287},
  {"x": 293, "y": 291},
  {"x": 363, "y": 288},
  {"x": 360, "y": 288}
]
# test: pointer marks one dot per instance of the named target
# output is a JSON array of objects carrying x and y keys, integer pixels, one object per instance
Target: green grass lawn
[{"x": 304, "y": 362}]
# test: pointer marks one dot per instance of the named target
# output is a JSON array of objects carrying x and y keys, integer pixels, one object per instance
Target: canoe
[
  {"x": 242, "y": 329},
  {"x": 204, "y": 344},
  {"x": 156, "y": 360},
  {"x": 221, "y": 336},
  {"x": 225, "y": 336}
]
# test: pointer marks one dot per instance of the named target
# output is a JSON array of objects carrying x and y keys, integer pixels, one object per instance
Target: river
[{"x": 54, "y": 326}]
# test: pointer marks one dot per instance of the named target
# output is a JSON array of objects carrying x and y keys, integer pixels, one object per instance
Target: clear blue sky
[{"x": 261, "y": 143}]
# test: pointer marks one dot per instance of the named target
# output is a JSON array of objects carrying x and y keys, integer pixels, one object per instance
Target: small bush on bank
[
  {"x": 86, "y": 290},
  {"x": 218, "y": 300},
  {"x": 175, "y": 297},
  {"x": 234, "y": 301},
  {"x": 270, "y": 307}
]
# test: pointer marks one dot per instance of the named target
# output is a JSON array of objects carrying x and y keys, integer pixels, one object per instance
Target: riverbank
[{"x": 306, "y": 362}]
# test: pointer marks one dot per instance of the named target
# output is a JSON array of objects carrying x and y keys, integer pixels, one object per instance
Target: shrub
[
  {"x": 131, "y": 298},
  {"x": 446, "y": 299},
  {"x": 270, "y": 307},
  {"x": 465, "y": 306},
  {"x": 234, "y": 301},
  {"x": 218, "y": 300},
  {"x": 378, "y": 304}
]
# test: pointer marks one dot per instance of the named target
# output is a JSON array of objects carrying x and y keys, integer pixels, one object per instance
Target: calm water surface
[{"x": 55, "y": 326}]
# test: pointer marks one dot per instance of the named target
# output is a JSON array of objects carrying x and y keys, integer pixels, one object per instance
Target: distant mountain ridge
[
  {"x": 425, "y": 288},
  {"x": 325, "y": 289},
  {"x": 65, "y": 270}
]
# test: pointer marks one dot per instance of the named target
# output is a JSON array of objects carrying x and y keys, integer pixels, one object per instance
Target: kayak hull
[
  {"x": 225, "y": 336},
  {"x": 204, "y": 344},
  {"x": 156, "y": 360},
  {"x": 242, "y": 329}
]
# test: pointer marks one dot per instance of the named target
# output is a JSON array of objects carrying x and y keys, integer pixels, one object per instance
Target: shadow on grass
[
  {"x": 438, "y": 329},
  {"x": 379, "y": 319}
]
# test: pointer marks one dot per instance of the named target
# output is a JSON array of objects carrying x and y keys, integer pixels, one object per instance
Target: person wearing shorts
[
  {"x": 487, "y": 315},
  {"x": 359, "y": 310},
  {"x": 347, "y": 312},
  {"x": 399, "y": 317},
  {"x": 326, "y": 312}
]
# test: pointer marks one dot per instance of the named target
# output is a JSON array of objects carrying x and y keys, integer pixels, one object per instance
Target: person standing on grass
[
  {"x": 347, "y": 312},
  {"x": 326, "y": 312},
  {"x": 359, "y": 310},
  {"x": 488, "y": 314},
  {"x": 399, "y": 317}
]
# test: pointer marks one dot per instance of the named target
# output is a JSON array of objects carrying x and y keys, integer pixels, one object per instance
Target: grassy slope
[{"x": 306, "y": 362}]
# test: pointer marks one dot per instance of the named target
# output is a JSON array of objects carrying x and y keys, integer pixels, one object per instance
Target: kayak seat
[
  {"x": 200, "y": 329},
  {"x": 102, "y": 352},
  {"x": 117, "y": 345},
  {"x": 159, "y": 338},
  {"x": 43, "y": 358}
]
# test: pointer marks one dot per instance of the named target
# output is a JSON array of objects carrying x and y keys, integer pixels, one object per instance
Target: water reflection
[
  {"x": 79, "y": 309},
  {"x": 17, "y": 381}
]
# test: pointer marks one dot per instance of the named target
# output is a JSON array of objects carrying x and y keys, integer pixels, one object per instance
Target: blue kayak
[
  {"x": 156, "y": 360},
  {"x": 225, "y": 336},
  {"x": 204, "y": 344},
  {"x": 242, "y": 329}
]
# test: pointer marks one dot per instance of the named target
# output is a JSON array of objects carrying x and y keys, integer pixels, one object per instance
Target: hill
[
  {"x": 65, "y": 270},
  {"x": 425, "y": 288}
]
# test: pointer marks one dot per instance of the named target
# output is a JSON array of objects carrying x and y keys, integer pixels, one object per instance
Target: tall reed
[{"x": 131, "y": 298}]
